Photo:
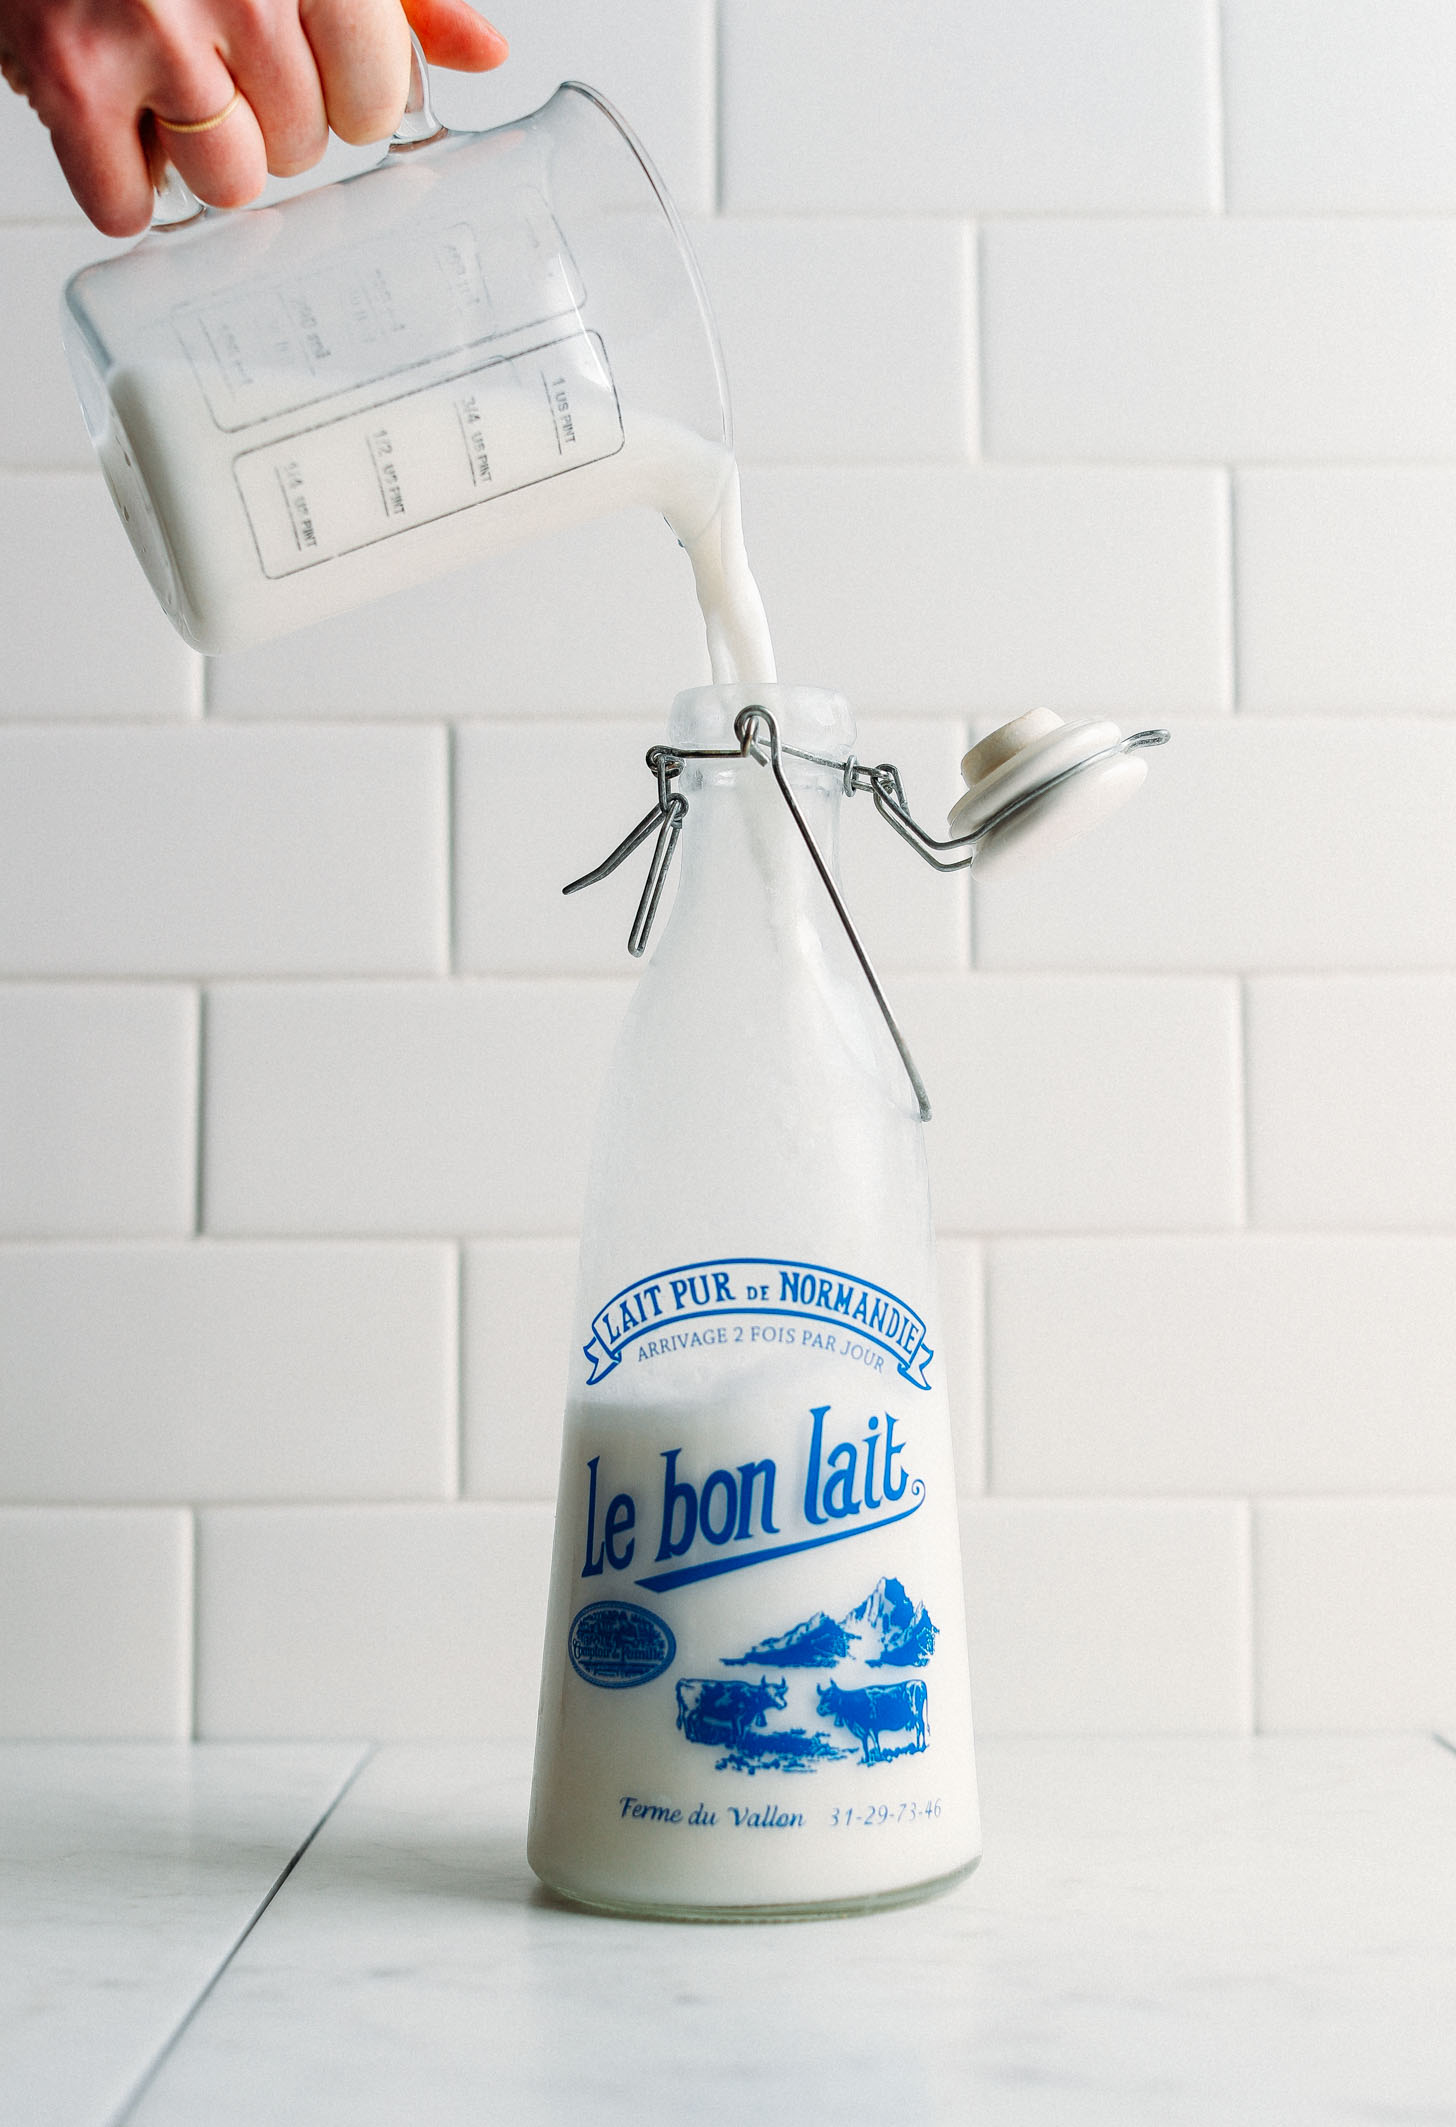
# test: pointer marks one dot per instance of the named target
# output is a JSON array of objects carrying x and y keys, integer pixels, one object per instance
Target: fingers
[
  {"x": 278, "y": 78},
  {"x": 107, "y": 170},
  {"x": 362, "y": 52},
  {"x": 96, "y": 69},
  {"x": 453, "y": 35},
  {"x": 80, "y": 75},
  {"x": 205, "y": 125}
]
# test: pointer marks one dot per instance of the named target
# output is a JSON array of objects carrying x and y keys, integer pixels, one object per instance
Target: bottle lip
[{"x": 814, "y": 719}]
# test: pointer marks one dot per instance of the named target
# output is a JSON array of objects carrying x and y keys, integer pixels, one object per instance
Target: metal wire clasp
[{"x": 757, "y": 733}]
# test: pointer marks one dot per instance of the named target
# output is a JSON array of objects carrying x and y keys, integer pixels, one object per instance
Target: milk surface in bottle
[{"x": 755, "y": 1697}]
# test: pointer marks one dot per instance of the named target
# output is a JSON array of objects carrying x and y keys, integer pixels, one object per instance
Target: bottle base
[{"x": 745, "y": 1915}]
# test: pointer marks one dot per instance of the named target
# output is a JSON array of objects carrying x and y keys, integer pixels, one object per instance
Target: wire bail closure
[{"x": 757, "y": 732}]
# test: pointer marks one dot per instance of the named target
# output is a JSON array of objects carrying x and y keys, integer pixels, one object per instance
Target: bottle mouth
[{"x": 812, "y": 720}]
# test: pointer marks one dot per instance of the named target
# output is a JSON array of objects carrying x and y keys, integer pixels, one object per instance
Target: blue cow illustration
[
  {"x": 717, "y": 1711},
  {"x": 877, "y": 1710}
]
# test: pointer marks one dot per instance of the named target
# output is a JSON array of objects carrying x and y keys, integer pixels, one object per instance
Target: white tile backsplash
[
  {"x": 653, "y": 59},
  {"x": 1340, "y": 106},
  {"x": 1086, "y": 355},
  {"x": 1252, "y": 846},
  {"x": 371, "y": 1621},
  {"x": 1351, "y": 1117},
  {"x": 1087, "y": 590},
  {"x": 1344, "y": 588},
  {"x": 516, "y": 1329},
  {"x": 1108, "y": 1617},
  {"x": 1356, "y": 1613},
  {"x": 95, "y": 644},
  {"x": 964, "y": 106},
  {"x": 98, "y": 1109},
  {"x": 1064, "y": 1103},
  {"x": 1228, "y": 1364},
  {"x": 811, "y": 377},
  {"x": 1221, "y": 338},
  {"x": 95, "y": 1623},
  {"x": 412, "y": 1108},
  {"x": 213, "y": 851},
  {"x": 240, "y": 1371}
]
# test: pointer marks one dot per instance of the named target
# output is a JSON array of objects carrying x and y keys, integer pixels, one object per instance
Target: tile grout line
[
  {"x": 1233, "y": 676},
  {"x": 1249, "y": 1682},
  {"x": 1255, "y": 1674},
  {"x": 976, "y": 280},
  {"x": 1245, "y": 1166},
  {"x": 199, "y": 1120},
  {"x": 971, "y": 326},
  {"x": 194, "y": 1531},
  {"x": 460, "y": 1384},
  {"x": 1218, "y": 140},
  {"x": 716, "y": 36},
  {"x": 452, "y": 849},
  {"x": 127, "y": 2109}
]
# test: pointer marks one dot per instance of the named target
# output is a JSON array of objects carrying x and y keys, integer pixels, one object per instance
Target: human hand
[{"x": 227, "y": 90}]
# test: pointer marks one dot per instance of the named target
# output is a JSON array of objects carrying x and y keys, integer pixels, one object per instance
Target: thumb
[{"x": 453, "y": 35}]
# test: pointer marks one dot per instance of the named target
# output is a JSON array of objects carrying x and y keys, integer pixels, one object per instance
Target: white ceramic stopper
[{"x": 1017, "y": 761}]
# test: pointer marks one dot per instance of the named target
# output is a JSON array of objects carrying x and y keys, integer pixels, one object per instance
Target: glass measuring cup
[{"x": 302, "y": 407}]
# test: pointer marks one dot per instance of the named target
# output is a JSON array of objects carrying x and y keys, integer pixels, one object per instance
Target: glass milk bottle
[{"x": 755, "y": 1700}]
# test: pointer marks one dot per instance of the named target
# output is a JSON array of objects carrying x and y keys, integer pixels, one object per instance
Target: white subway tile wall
[
  {"x": 1087, "y": 353},
  {"x": 252, "y": 1370},
  {"x": 365, "y": 1620},
  {"x": 57, "y": 531},
  {"x": 98, "y": 1109},
  {"x": 1108, "y": 1616},
  {"x": 96, "y": 1623}
]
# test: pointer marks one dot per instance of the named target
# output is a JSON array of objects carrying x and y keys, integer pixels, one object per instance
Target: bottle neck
[
  {"x": 744, "y": 863},
  {"x": 740, "y": 841}
]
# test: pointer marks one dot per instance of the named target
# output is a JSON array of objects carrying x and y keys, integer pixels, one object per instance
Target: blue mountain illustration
[
  {"x": 816, "y": 1644},
  {"x": 888, "y": 1630},
  {"x": 901, "y": 1627}
]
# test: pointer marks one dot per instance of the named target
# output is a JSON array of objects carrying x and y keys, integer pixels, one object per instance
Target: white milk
[
  {"x": 755, "y": 1694},
  {"x": 747, "y": 1770},
  {"x": 251, "y": 532}
]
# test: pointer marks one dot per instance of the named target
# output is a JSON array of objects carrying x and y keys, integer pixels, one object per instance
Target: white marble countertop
[{"x": 1162, "y": 1932}]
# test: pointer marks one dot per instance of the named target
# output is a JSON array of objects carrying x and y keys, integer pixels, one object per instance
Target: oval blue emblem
[{"x": 617, "y": 1645}]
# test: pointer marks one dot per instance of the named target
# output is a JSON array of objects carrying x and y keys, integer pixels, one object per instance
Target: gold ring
[{"x": 201, "y": 125}]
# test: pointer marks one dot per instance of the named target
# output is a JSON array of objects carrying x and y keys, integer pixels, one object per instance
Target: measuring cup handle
[
  {"x": 419, "y": 125},
  {"x": 176, "y": 204}
]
